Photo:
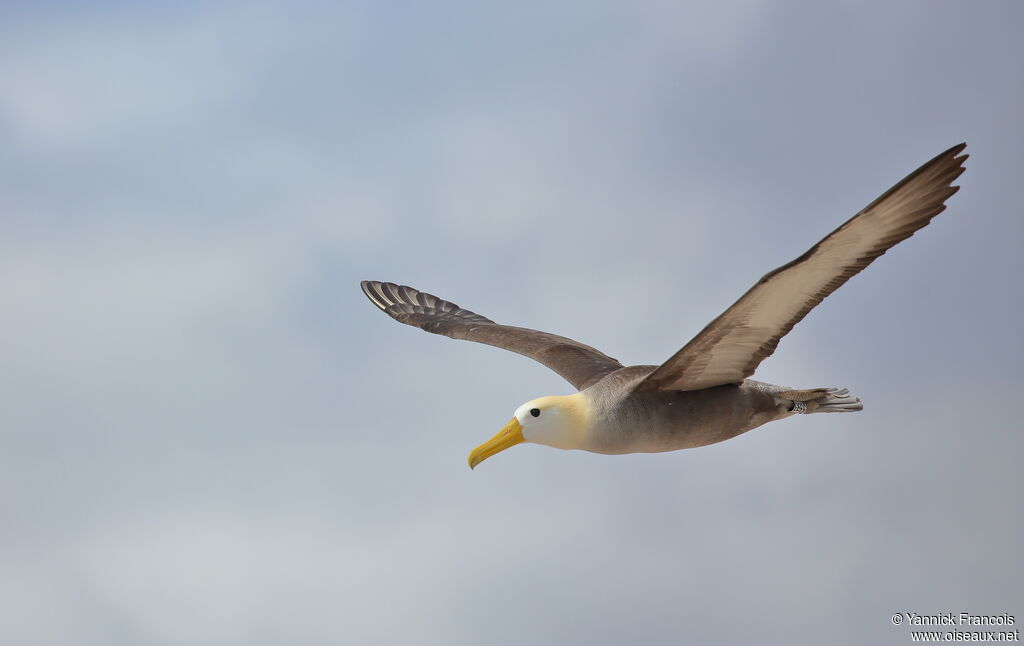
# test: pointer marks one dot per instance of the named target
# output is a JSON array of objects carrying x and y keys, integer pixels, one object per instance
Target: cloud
[{"x": 210, "y": 437}]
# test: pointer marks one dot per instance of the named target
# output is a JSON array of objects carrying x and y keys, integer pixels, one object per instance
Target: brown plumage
[
  {"x": 731, "y": 347},
  {"x": 580, "y": 365},
  {"x": 701, "y": 394}
]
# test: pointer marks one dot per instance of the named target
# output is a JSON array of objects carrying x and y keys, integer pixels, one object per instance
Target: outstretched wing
[
  {"x": 730, "y": 348},
  {"x": 579, "y": 364}
]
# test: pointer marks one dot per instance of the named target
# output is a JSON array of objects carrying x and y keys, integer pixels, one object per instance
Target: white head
[{"x": 560, "y": 422}]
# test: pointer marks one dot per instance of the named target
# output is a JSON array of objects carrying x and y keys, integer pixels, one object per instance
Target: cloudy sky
[{"x": 209, "y": 437}]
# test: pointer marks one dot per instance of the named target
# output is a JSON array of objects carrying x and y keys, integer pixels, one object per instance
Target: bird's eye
[{"x": 535, "y": 412}]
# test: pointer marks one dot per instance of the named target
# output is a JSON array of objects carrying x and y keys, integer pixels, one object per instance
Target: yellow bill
[{"x": 511, "y": 435}]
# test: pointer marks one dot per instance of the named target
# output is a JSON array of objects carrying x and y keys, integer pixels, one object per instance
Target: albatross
[{"x": 702, "y": 394}]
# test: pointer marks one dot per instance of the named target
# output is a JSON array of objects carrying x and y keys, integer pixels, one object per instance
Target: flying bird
[{"x": 703, "y": 393}]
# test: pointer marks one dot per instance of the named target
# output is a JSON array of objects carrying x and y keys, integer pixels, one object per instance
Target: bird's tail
[{"x": 820, "y": 400}]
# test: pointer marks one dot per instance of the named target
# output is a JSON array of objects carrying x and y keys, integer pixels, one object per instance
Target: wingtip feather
[{"x": 373, "y": 291}]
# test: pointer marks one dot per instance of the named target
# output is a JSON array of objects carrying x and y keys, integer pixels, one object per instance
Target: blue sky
[{"x": 211, "y": 437}]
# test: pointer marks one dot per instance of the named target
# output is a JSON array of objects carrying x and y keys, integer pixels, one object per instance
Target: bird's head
[{"x": 556, "y": 421}]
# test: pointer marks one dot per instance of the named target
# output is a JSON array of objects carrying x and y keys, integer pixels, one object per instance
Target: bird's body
[
  {"x": 626, "y": 419},
  {"x": 702, "y": 394},
  {"x": 621, "y": 415}
]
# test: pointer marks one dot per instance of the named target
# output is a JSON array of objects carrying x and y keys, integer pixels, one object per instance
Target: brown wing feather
[
  {"x": 730, "y": 348},
  {"x": 578, "y": 364}
]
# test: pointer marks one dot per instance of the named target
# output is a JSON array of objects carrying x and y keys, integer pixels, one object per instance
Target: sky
[{"x": 208, "y": 436}]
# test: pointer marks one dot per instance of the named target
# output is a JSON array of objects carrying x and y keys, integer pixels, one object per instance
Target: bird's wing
[
  {"x": 579, "y": 364},
  {"x": 730, "y": 348}
]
